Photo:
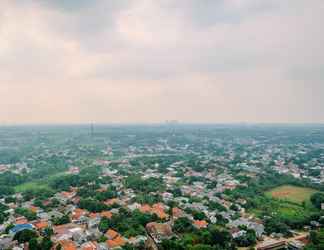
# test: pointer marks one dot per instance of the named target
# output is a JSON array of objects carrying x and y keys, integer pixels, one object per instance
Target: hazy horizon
[{"x": 145, "y": 62}]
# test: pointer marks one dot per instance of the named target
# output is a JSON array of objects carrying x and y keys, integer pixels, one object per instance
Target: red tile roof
[
  {"x": 112, "y": 234},
  {"x": 117, "y": 242},
  {"x": 67, "y": 245},
  {"x": 21, "y": 220},
  {"x": 107, "y": 214},
  {"x": 41, "y": 224},
  {"x": 200, "y": 223}
]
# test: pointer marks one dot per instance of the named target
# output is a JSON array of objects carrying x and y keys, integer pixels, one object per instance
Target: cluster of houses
[{"x": 82, "y": 231}]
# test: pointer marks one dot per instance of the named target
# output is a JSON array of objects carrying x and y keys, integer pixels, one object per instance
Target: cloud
[{"x": 149, "y": 61}]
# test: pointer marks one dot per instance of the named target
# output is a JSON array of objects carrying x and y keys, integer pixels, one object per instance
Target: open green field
[
  {"x": 30, "y": 185},
  {"x": 291, "y": 193},
  {"x": 42, "y": 183}
]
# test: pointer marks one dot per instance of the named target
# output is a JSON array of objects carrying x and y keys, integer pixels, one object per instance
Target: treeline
[
  {"x": 87, "y": 176},
  {"x": 137, "y": 183}
]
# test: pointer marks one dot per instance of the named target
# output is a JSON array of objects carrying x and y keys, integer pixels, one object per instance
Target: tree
[
  {"x": 48, "y": 232},
  {"x": 25, "y": 235},
  {"x": 201, "y": 247},
  {"x": 104, "y": 224},
  {"x": 65, "y": 219},
  {"x": 46, "y": 244},
  {"x": 33, "y": 244},
  {"x": 317, "y": 240},
  {"x": 220, "y": 237},
  {"x": 198, "y": 215},
  {"x": 26, "y": 212},
  {"x": 248, "y": 239},
  {"x": 173, "y": 244},
  {"x": 317, "y": 199},
  {"x": 183, "y": 225},
  {"x": 274, "y": 225}
]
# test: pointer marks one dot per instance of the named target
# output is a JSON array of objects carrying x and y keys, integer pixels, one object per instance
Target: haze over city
[{"x": 150, "y": 61}]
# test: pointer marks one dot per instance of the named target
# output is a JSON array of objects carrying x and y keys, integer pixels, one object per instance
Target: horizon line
[{"x": 172, "y": 123}]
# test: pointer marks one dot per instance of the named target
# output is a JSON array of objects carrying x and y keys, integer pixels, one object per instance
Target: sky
[{"x": 145, "y": 61}]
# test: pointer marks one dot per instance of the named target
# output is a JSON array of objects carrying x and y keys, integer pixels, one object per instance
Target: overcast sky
[{"x": 116, "y": 61}]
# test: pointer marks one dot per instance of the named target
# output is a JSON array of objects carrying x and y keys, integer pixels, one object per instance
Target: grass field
[
  {"x": 30, "y": 185},
  {"x": 42, "y": 183},
  {"x": 291, "y": 193}
]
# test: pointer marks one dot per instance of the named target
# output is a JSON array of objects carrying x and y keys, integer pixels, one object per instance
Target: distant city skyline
[{"x": 104, "y": 62}]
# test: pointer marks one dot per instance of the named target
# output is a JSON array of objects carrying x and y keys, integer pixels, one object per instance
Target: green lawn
[
  {"x": 30, "y": 185},
  {"x": 291, "y": 193},
  {"x": 42, "y": 183}
]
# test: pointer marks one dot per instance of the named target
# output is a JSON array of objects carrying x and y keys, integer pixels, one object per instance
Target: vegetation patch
[
  {"x": 291, "y": 193},
  {"x": 32, "y": 185}
]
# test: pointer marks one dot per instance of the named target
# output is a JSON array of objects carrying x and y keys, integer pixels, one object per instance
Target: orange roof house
[
  {"x": 89, "y": 246},
  {"x": 159, "y": 211},
  {"x": 21, "y": 220},
  {"x": 41, "y": 225},
  {"x": 158, "y": 206},
  {"x": 177, "y": 212},
  {"x": 77, "y": 213},
  {"x": 111, "y": 234},
  {"x": 159, "y": 231},
  {"x": 106, "y": 214},
  {"x": 117, "y": 242},
  {"x": 145, "y": 208},
  {"x": 67, "y": 245},
  {"x": 75, "y": 200},
  {"x": 68, "y": 195},
  {"x": 93, "y": 215},
  {"x": 33, "y": 209},
  {"x": 112, "y": 201},
  {"x": 200, "y": 223}
]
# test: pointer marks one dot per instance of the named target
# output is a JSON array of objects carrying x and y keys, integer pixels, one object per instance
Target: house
[
  {"x": 137, "y": 240},
  {"x": 93, "y": 222},
  {"x": 55, "y": 214},
  {"x": 67, "y": 245},
  {"x": 20, "y": 227},
  {"x": 21, "y": 220},
  {"x": 200, "y": 224},
  {"x": 65, "y": 196},
  {"x": 106, "y": 214},
  {"x": 6, "y": 242},
  {"x": 272, "y": 245},
  {"x": 295, "y": 245},
  {"x": 167, "y": 196},
  {"x": 157, "y": 209},
  {"x": 66, "y": 231},
  {"x": 111, "y": 234},
  {"x": 145, "y": 208},
  {"x": 73, "y": 170},
  {"x": 113, "y": 201},
  {"x": 41, "y": 225},
  {"x": 79, "y": 236},
  {"x": 235, "y": 232},
  {"x": 257, "y": 227},
  {"x": 116, "y": 242},
  {"x": 177, "y": 213},
  {"x": 134, "y": 206},
  {"x": 78, "y": 215},
  {"x": 114, "y": 239},
  {"x": 159, "y": 231},
  {"x": 93, "y": 234},
  {"x": 43, "y": 216}
]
